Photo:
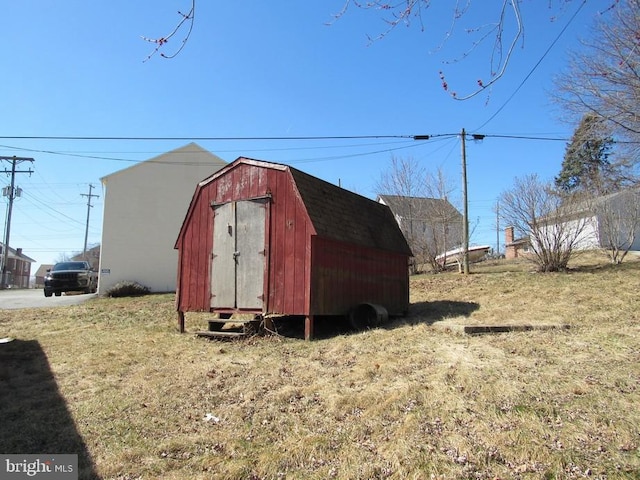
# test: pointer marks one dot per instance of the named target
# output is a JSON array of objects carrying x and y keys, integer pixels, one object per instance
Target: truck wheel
[
  {"x": 47, "y": 294},
  {"x": 57, "y": 294}
]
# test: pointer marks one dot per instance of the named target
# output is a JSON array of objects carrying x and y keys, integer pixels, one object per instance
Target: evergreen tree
[{"x": 586, "y": 165}]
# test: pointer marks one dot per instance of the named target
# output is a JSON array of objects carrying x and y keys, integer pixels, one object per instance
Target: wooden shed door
[{"x": 238, "y": 260}]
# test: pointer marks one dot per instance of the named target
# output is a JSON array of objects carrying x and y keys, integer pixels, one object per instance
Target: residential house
[
  {"x": 515, "y": 247},
  {"x": 92, "y": 256},
  {"x": 608, "y": 221},
  {"x": 40, "y": 274},
  {"x": 18, "y": 268},
  {"x": 430, "y": 225},
  {"x": 144, "y": 206}
]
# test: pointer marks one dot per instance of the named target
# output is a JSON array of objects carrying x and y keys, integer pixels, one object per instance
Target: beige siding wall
[{"x": 144, "y": 207}]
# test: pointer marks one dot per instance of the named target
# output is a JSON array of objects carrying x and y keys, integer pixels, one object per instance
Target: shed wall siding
[
  {"x": 346, "y": 275},
  {"x": 290, "y": 250}
]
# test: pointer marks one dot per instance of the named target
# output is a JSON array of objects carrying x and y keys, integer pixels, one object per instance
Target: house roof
[
  {"x": 519, "y": 241},
  {"x": 335, "y": 213},
  {"x": 13, "y": 253},
  {"x": 93, "y": 252},
  {"x": 196, "y": 156},
  {"x": 420, "y": 207},
  {"x": 627, "y": 194},
  {"x": 42, "y": 269},
  {"x": 589, "y": 206}
]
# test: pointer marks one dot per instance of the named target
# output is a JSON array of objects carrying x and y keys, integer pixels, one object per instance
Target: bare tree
[
  {"x": 443, "y": 223},
  {"x": 501, "y": 34},
  {"x": 403, "y": 180},
  {"x": 507, "y": 17},
  {"x": 405, "y": 177},
  {"x": 603, "y": 77},
  {"x": 555, "y": 223},
  {"x": 63, "y": 257},
  {"x": 419, "y": 200}
]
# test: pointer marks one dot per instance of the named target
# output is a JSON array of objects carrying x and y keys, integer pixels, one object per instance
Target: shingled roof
[
  {"x": 16, "y": 253},
  {"x": 421, "y": 207},
  {"x": 346, "y": 216},
  {"x": 335, "y": 213}
]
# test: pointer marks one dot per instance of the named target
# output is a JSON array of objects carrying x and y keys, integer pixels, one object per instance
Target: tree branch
[{"x": 162, "y": 41}]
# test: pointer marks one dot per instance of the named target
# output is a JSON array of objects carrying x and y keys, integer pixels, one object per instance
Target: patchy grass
[{"x": 415, "y": 399}]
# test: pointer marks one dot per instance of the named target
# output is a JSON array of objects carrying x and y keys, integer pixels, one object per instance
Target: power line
[
  {"x": 201, "y": 139},
  {"x": 45, "y": 205},
  {"x": 432, "y": 137},
  {"x": 525, "y": 137},
  {"x": 164, "y": 162}
]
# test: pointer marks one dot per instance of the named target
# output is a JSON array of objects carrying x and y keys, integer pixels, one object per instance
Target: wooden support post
[
  {"x": 181, "y": 321},
  {"x": 268, "y": 324},
  {"x": 308, "y": 327}
]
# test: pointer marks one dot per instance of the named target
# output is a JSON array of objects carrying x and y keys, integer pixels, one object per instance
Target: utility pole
[
  {"x": 497, "y": 227},
  {"x": 465, "y": 211},
  {"x": 86, "y": 231},
  {"x": 12, "y": 193},
  {"x": 465, "y": 208}
]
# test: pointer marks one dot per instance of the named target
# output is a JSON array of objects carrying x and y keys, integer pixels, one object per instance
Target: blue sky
[{"x": 268, "y": 69}]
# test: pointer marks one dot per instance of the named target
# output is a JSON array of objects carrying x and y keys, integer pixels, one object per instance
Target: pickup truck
[{"x": 70, "y": 277}]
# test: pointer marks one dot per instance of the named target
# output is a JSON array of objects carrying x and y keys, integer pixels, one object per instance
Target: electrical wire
[
  {"x": 404, "y": 144},
  {"x": 200, "y": 139},
  {"x": 45, "y": 205},
  {"x": 431, "y": 138}
]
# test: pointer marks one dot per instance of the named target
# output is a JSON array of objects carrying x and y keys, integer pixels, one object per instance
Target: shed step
[
  {"x": 245, "y": 326},
  {"x": 229, "y": 320}
]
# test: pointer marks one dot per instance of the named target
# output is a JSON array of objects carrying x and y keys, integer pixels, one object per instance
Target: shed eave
[{"x": 242, "y": 161}]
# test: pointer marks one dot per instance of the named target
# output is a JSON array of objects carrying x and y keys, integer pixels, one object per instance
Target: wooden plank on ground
[{"x": 486, "y": 329}]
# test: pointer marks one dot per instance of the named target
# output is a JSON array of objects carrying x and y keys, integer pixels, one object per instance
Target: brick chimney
[
  {"x": 508, "y": 235},
  {"x": 18, "y": 252}
]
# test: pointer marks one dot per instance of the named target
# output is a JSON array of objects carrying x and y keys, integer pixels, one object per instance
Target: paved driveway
[{"x": 34, "y": 298}]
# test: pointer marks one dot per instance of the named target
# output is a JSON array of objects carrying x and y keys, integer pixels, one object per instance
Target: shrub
[{"x": 127, "y": 289}]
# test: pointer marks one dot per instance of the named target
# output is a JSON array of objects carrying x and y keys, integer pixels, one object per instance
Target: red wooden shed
[{"x": 267, "y": 239}]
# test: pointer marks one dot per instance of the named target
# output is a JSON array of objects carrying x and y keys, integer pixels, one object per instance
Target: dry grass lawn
[{"x": 113, "y": 381}]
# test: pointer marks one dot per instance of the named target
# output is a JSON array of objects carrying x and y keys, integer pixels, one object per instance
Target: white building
[
  {"x": 144, "y": 206},
  {"x": 609, "y": 222}
]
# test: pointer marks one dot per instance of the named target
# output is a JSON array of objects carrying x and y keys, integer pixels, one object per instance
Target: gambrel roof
[{"x": 334, "y": 212}]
